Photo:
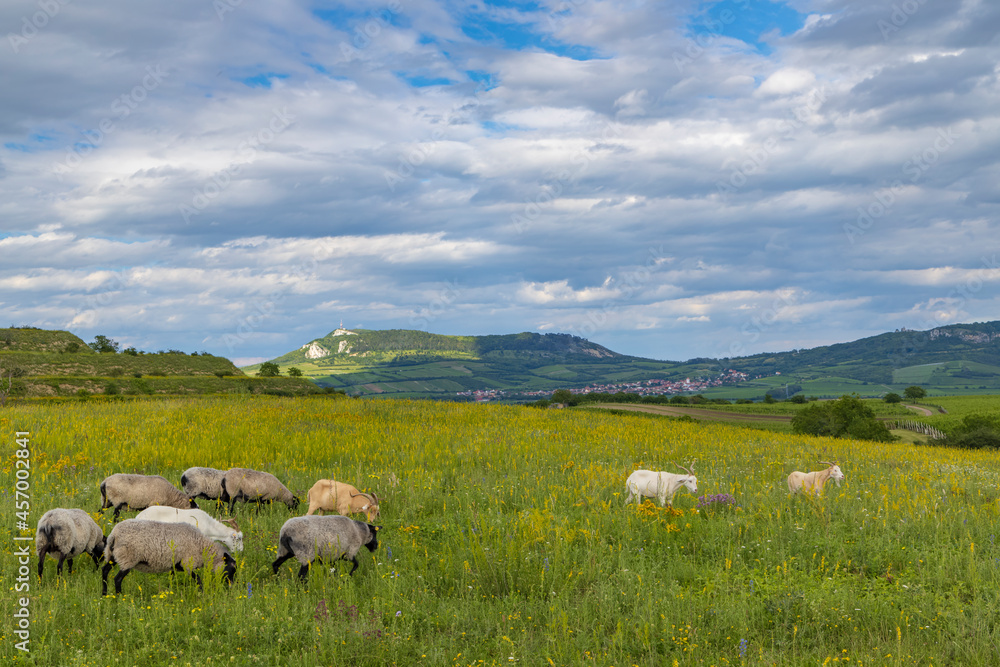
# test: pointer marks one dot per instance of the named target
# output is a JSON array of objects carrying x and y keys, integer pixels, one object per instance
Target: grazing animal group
[
  {"x": 664, "y": 485},
  {"x": 172, "y": 534}
]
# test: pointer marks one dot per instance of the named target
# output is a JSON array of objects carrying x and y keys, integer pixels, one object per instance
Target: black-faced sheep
[
  {"x": 67, "y": 533},
  {"x": 155, "y": 547},
  {"x": 315, "y": 538},
  {"x": 202, "y": 483},
  {"x": 249, "y": 485},
  {"x": 138, "y": 492}
]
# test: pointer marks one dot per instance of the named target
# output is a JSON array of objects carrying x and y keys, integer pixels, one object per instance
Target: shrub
[
  {"x": 847, "y": 417},
  {"x": 892, "y": 397}
]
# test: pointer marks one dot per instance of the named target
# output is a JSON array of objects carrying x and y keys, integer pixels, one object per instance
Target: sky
[{"x": 670, "y": 179}]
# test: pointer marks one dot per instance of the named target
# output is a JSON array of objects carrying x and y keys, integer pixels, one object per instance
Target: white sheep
[
  {"x": 155, "y": 547},
  {"x": 138, "y": 492},
  {"x": 328, "y": 495},
  {"x": 68, "y": 533},
  {"x": 807, "y": 482},
  {"x": 230, "y": 535},
  {"x": 204, "y": 483},
  {"x": 254, "y": 486},
  {"x": 314, "y": 538},
  {"x": 662, "y": 485}
]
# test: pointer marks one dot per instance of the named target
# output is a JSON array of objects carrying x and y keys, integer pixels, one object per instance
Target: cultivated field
[{"x": 505, "y": 541}]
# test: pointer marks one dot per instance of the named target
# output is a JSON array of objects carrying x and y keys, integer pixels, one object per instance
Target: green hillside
[
  {"x": 41, "y": 362},
  {"x": 956, "y": 359}
]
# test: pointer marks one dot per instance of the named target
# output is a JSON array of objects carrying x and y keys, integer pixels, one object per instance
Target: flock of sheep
[{"x": 172, "y": 534}]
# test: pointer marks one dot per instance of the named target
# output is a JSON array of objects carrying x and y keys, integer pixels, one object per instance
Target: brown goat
[{"x": 328, "y": 495}]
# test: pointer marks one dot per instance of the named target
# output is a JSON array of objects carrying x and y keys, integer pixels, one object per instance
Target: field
[{"x": 505, "y": 540}]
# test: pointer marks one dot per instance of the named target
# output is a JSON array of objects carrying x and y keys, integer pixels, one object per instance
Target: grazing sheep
[
  {"x": 807, "y": 482},
  {"x": 328, "y": 495},
  {"x": 202, "y": 483},
  {"x": 138, "y": 492},
  {"x": 254, "y": 486},
  {"x": 230, "y": 535},
  {"x": 313, "y": 538},
  {"x": 68, "y": 533},
  {"x": 662, "y": 485},
  {"x": 154, "y": 546}
]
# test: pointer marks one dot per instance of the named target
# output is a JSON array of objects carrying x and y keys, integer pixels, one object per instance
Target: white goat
[
  {"x": 812, "y": 482},
  {"x": 662, "y": 485},
  {"x": 230, "y": 534}
]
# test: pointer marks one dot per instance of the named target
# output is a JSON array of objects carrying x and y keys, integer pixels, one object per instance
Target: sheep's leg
[
  {"x": 104, "y": 577},
  {"x": 41, "y": 564},
  {"x": 304, "y": 572},
  {"x": 118, "y": 510},
  {"x": 118, "y": 581},
  {"x": 70, "y": 565},
  {"x": 197, "y": 578},
  {"x": 279, "y": 561},
  {"x": 355, "y": 561},
  {"x": 97, "y": 561},
  {"x": 62, "y": 559}
]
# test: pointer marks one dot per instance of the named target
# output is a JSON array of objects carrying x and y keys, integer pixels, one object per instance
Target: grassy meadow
[{"x": 506, "y": 541}]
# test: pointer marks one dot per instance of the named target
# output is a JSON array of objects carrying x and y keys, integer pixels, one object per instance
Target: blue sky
[{"x": 672, "y": 180}]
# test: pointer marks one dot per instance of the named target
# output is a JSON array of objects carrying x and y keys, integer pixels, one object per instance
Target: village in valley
[{"x": 656, "y": 387}]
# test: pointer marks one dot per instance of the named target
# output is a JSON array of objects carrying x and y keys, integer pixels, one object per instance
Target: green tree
[
  {"x": 562, "y": 396},
  {"x": 294, "y": 372},
  {"x": 892, "y": 397},
  {"x": 269, "y": 369},
  {"x": 915, "y": 393},
  {"x": 769, "y": 399},
  {"x": 847, "y": 417},
  {"x": 104, "y": 345}
]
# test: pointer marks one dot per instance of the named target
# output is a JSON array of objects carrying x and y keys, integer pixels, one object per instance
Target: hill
[
  {"x": 42, "y": 362},
  {"x": 954, "y": 359}
]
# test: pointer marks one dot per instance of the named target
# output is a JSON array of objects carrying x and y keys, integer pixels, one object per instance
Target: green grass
[{"x": 505, "y": 540}]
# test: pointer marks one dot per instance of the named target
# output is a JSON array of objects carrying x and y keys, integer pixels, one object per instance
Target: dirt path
[{"x": 924, "y": 411}]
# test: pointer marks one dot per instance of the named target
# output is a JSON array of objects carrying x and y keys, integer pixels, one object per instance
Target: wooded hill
[
  {"x": 41, "y": 362},
  {"x": 954, "y": 359}
]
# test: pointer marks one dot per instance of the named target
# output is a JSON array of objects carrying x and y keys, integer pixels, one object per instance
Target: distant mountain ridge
[
  {"x": 958, "y": 358},
  {"x": 388, "y": 345}
]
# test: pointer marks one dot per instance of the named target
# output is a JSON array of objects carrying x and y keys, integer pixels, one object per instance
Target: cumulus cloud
[{"x": 653, "y": 176}]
